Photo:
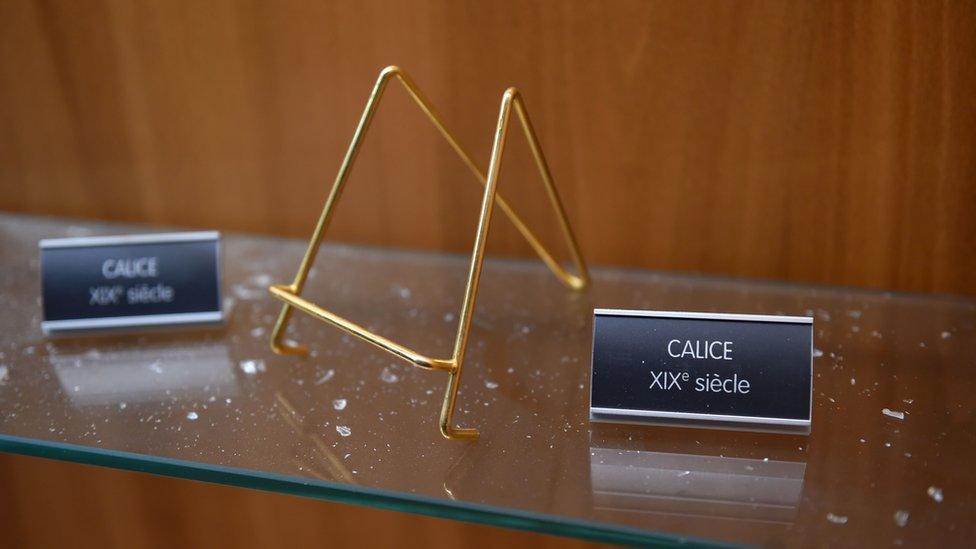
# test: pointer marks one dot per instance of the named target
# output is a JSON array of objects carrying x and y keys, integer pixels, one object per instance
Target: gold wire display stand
[{"x": 290, "y": 294}]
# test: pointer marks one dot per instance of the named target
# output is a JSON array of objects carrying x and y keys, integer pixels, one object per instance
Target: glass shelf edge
[{"x": 327, "y": 491}]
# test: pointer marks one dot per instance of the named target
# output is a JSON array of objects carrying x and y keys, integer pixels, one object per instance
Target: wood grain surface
[
  {"x": 55, "y": 504},
  {"x": 822, "y": 142}
]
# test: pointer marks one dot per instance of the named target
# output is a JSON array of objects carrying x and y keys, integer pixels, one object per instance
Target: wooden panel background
[{"x": 823, "y": 142}]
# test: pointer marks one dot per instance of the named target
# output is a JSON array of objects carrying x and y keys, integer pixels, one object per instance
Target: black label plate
[
  {"x": 749, "y": 372},
  {"x": 114, "y": 282}
]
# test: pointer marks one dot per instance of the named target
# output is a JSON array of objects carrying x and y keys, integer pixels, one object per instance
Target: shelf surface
[{"x": 352, "y": 423}]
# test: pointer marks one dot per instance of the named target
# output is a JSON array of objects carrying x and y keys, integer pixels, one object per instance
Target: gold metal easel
[{"x": 290, "y": 294}]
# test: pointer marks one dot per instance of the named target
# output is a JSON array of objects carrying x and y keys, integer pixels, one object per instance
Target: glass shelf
[{"x": 350, "y": 423}]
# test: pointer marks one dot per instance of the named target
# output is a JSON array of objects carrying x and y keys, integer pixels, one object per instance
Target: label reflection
[{"x": 696, "y": 485}]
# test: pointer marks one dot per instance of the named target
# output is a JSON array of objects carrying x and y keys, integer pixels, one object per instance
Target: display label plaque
[
  {"x": 117, "y": 282},
  {"x": 750, "y": 372}
]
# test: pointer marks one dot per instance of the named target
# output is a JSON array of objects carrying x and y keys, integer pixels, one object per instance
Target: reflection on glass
[
  {"x": 144, "y": 373},
  {"x": 326, "y": 465},
  {"x": 696, "y": 485}
]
